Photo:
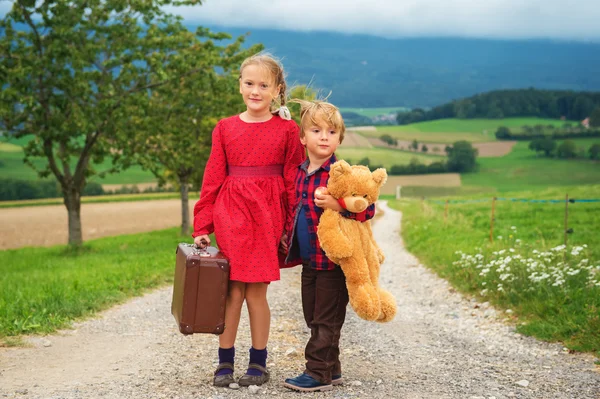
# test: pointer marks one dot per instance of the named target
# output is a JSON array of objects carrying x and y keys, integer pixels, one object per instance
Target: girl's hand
[
  {"x": 202, "y": 241},
  {"x": 326, "y": 201},
  {"x": 283, "y": 247}
]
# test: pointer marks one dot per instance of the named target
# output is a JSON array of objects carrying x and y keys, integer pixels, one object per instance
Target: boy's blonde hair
[
  {"x": 273, "y": 66},
  {"x": 313, "y": 111}
]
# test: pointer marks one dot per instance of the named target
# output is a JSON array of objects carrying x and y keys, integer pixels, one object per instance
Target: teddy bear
[{"x": 350, "y": 243}]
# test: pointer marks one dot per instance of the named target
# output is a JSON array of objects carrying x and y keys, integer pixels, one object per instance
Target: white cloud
[{"x": 556, "y": 19}]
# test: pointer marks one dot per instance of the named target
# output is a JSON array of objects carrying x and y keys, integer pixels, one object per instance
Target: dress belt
[{"x": 255, "y": 171}]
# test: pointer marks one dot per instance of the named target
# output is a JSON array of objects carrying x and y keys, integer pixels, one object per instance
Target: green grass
[
  {"x": 569, "y": 313},
  {"x": 45, "y": 289},
  {"x": 371, "y": 112},
  {"x": 384, "y": 156},
  {"x": 95, "y": 199},
  {"x": 523, "y": 170},
  {"x": 451, "y": 130},
  {"x": 12, "y": 166}
]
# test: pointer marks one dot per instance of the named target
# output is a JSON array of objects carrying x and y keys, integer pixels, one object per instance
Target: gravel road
[{"x": 440, "y": 345}]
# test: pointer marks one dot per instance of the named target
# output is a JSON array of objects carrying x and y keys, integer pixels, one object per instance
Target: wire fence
[{"x": 566, "y": 201}]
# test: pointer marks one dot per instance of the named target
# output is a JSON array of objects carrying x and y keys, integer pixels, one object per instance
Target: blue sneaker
[{"x": 305, "y": 383}]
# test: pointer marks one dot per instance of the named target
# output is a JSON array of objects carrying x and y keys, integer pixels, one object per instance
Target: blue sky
[{"x": 502, "y": 19}]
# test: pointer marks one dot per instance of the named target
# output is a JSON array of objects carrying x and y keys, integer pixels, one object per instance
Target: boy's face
[{"x": 321, "y": 139}]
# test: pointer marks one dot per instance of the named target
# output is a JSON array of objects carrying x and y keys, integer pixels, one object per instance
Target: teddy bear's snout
[{"x": 356, "y": 205}]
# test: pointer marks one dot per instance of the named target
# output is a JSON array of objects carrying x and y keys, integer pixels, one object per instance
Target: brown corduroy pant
[{"x": 324, "y": 300}]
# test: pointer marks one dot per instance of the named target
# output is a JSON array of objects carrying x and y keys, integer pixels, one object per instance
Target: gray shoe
[
  {"x": 247, "y": 380},
  {"x": 225, "y": 379}
]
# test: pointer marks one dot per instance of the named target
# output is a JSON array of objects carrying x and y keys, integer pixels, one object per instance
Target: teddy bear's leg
[
  {"x": 364, "y": 297},
  {"x": 388, "y": 306},
  {"x": 331, "y": 238}
]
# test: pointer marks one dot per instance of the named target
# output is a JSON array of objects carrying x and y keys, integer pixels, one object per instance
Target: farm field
[
  {"x": 98, "y": 220},
  {"x": 384, "y": 156},
  {"x": 523, "y": 170},
  {"x": 451, "y": 130},
  {"x": 371, "y": 112},
  {"x": 12, "y": 167}
]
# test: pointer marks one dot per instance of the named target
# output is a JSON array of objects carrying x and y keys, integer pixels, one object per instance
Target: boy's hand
[
  {"x": 202, "y": 241},
  {"x": 326, "y": 201},
  {"x": 283, "y": 247}
]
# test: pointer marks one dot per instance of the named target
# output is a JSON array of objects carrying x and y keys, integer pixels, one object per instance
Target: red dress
[{"x": 246, "y": 208}]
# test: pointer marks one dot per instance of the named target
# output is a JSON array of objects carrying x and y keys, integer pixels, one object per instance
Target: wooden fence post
[
  {"x": 566, "y": 219},
  {"x": 446, "y": 212},
  {"x": 492, "y": 219}
]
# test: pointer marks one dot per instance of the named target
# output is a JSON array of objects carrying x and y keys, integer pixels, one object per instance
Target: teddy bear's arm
[
  {"x": 333, "y": 241},
  {"x": 378, "y": 250}
]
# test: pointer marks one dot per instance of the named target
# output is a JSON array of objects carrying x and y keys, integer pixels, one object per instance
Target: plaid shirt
[{"x": 306, "y": 184}]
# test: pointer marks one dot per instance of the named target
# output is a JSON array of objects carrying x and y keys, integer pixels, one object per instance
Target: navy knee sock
[
  {"x": 226, "y": 356},
  {"x": 259, "y": 357}
]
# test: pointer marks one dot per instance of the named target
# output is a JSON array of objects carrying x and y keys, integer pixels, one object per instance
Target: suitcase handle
[{"x": 199, "y": 251}]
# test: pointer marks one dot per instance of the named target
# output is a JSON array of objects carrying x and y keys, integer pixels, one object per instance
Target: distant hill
[{"x": 369, "y": 71}]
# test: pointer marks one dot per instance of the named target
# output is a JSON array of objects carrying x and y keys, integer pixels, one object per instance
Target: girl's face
[{"x": 258, "y": 89}]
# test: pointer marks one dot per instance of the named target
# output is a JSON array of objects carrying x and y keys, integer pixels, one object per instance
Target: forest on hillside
[{"x": 556, "y": 104}]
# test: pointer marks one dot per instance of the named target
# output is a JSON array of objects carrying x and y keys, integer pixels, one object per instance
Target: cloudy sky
[{"x": 552, "y": 19}]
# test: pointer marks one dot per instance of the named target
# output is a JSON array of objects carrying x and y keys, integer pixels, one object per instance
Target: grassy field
[
  {"x": 384, "y": 156},
  {"x": 553, "y": 294},
  {"x": 12, "y": 166},
  {"x": 44, "y": 289},
  {"x": 451, "y": 130},
  {"x": 371, "y": 112},
  {"x": 523, "y": 170}
]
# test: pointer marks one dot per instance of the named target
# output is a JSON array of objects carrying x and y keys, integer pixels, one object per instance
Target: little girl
[{"x": 246, "y": 199}]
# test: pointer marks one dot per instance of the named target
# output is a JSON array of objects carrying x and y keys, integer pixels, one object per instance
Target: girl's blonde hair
[
  {"x": 313, "y": 111},
  {"x": 273, "y": 66}
]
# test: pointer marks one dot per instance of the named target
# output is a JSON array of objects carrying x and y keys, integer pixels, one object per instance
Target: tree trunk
[
  {"x": 185, "y": 210},
  {"x": 72, "y": 199}
]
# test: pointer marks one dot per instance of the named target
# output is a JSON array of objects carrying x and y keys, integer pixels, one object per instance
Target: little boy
[{"x": 324, "y": 292}]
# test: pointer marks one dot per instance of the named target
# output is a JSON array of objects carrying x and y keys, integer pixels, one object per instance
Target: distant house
[{"x": 586, "y": 123}]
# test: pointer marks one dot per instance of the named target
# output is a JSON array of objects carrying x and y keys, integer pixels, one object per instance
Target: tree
[
  {"x": 424, "y": 148},
  {"x": 567, "y": 149},
  {"x": 68, "y": 70},
  {"x": 594, "y": 151},
  {"x": 173, "y": 125},
  {"x": 545, "y": 145},
  {"x": 415, "y": 145},
  {"x": 386, "y": 138},
  {"x": 595, "y": 117},
  {"x": 462, "y": 157},
  {"x": 503, "y": 133}
]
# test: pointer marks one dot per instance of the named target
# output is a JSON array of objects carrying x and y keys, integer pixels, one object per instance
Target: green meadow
[
  {"x": 12, "y": 166},
  {"x": 45, "y": 289},
  {"x": 451, "y": 130},
  {"x": 371, "y": 112},
  {"x": 522, "y": 169},
  {"x": 552, "y": 293},
  {"x": 384, "y": 156}
]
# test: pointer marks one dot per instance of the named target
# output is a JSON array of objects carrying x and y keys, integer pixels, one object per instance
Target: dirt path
[
  {"x": 440, "y": 345},
  {"x": 29, "y": 226}
]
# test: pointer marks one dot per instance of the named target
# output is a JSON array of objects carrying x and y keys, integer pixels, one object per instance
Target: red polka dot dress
[{"x": 248, "y": 193}]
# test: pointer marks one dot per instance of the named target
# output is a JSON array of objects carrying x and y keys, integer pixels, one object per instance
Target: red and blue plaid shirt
[{"x": 306, "y": 184}]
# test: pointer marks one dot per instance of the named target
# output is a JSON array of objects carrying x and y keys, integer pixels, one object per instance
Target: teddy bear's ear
[
  {"x": 339, "y": 168},
  {"x": 380, "y": 176}
]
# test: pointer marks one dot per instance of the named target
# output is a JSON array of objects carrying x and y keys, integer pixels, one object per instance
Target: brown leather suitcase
[{"x": 200, "y": 289}]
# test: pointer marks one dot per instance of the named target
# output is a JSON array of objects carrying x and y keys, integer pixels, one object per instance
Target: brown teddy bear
[{"x": 350, "y": 243}]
